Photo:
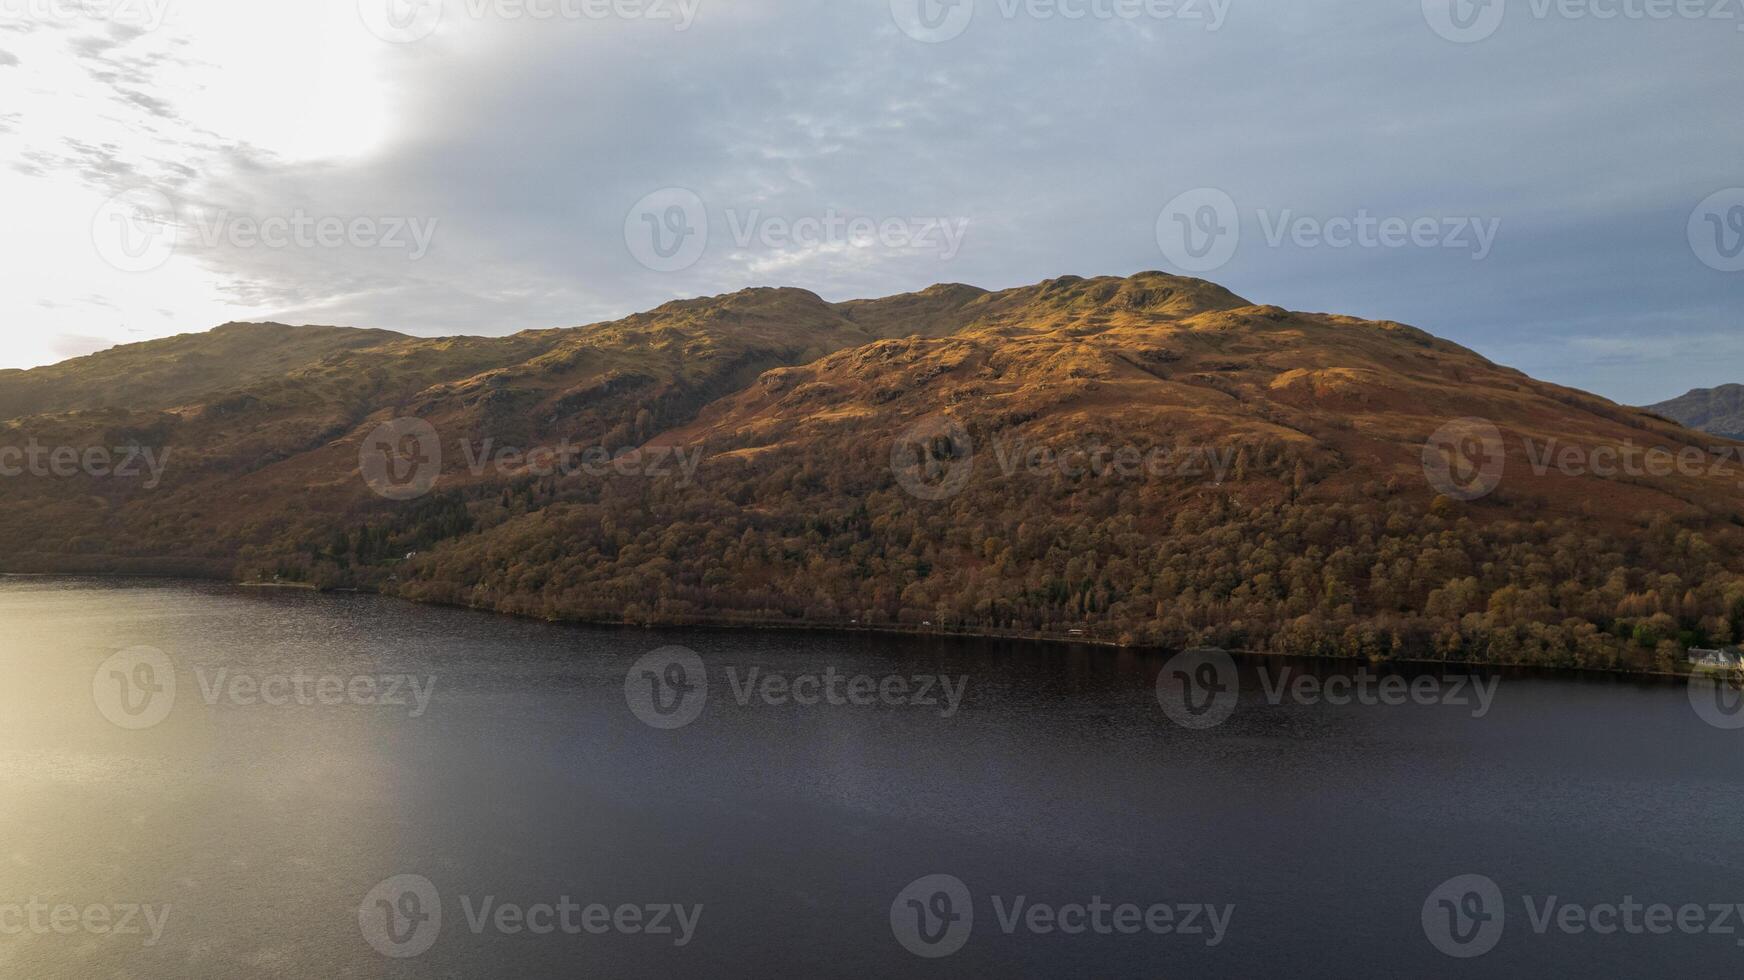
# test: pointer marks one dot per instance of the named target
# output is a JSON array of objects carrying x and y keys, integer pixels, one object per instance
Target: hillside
[
  {"x": 1716, "y": 410},
  {"x": 165, "y": 373},
  {"x": 1144, "y": 460}
]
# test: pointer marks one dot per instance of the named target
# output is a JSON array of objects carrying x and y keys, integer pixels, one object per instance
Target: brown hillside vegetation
[{"x": 1145, "y": 460}]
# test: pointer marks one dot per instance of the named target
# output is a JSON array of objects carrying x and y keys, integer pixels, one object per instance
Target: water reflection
[{"x": 264, "y": 814}]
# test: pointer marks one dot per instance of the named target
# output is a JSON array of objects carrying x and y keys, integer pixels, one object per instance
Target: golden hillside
[{"x": 1149, "y": 459}]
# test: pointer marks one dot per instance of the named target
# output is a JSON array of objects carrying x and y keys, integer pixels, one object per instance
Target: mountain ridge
[
  {"x": 1718, "y": 410},
  {"x": 955, "y": 456},
  {"x": 878, "y": 312}
]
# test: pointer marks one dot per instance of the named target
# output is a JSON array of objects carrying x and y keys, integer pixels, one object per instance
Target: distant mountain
[
  {"x": 1149, "y": 459},
  {"x": 1716, "y": 410}
]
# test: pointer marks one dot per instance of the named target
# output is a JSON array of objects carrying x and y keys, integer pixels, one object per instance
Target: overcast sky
[{"x": 1553, "y": 187}]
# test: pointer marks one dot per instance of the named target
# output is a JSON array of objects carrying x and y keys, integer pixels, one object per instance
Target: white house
[{"x": 1729, "y": 658}]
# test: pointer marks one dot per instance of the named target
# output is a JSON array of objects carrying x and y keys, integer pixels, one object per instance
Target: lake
[{"x": 203, "y": 781}]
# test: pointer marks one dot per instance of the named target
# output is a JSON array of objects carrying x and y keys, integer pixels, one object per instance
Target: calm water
[{"x": 254, "y": 832}]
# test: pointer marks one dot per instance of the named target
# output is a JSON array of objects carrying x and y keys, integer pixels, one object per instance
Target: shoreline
[{"x": 884, "y": 630}]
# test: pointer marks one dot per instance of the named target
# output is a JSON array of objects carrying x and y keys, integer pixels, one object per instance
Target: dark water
[{"x": 256, "y": 831}]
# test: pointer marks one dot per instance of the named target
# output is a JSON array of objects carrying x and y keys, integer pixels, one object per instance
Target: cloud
[{"x": 1058, "y": 141}]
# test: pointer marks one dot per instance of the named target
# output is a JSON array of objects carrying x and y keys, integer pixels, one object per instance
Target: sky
[{"x": 1557, "y": 184}]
